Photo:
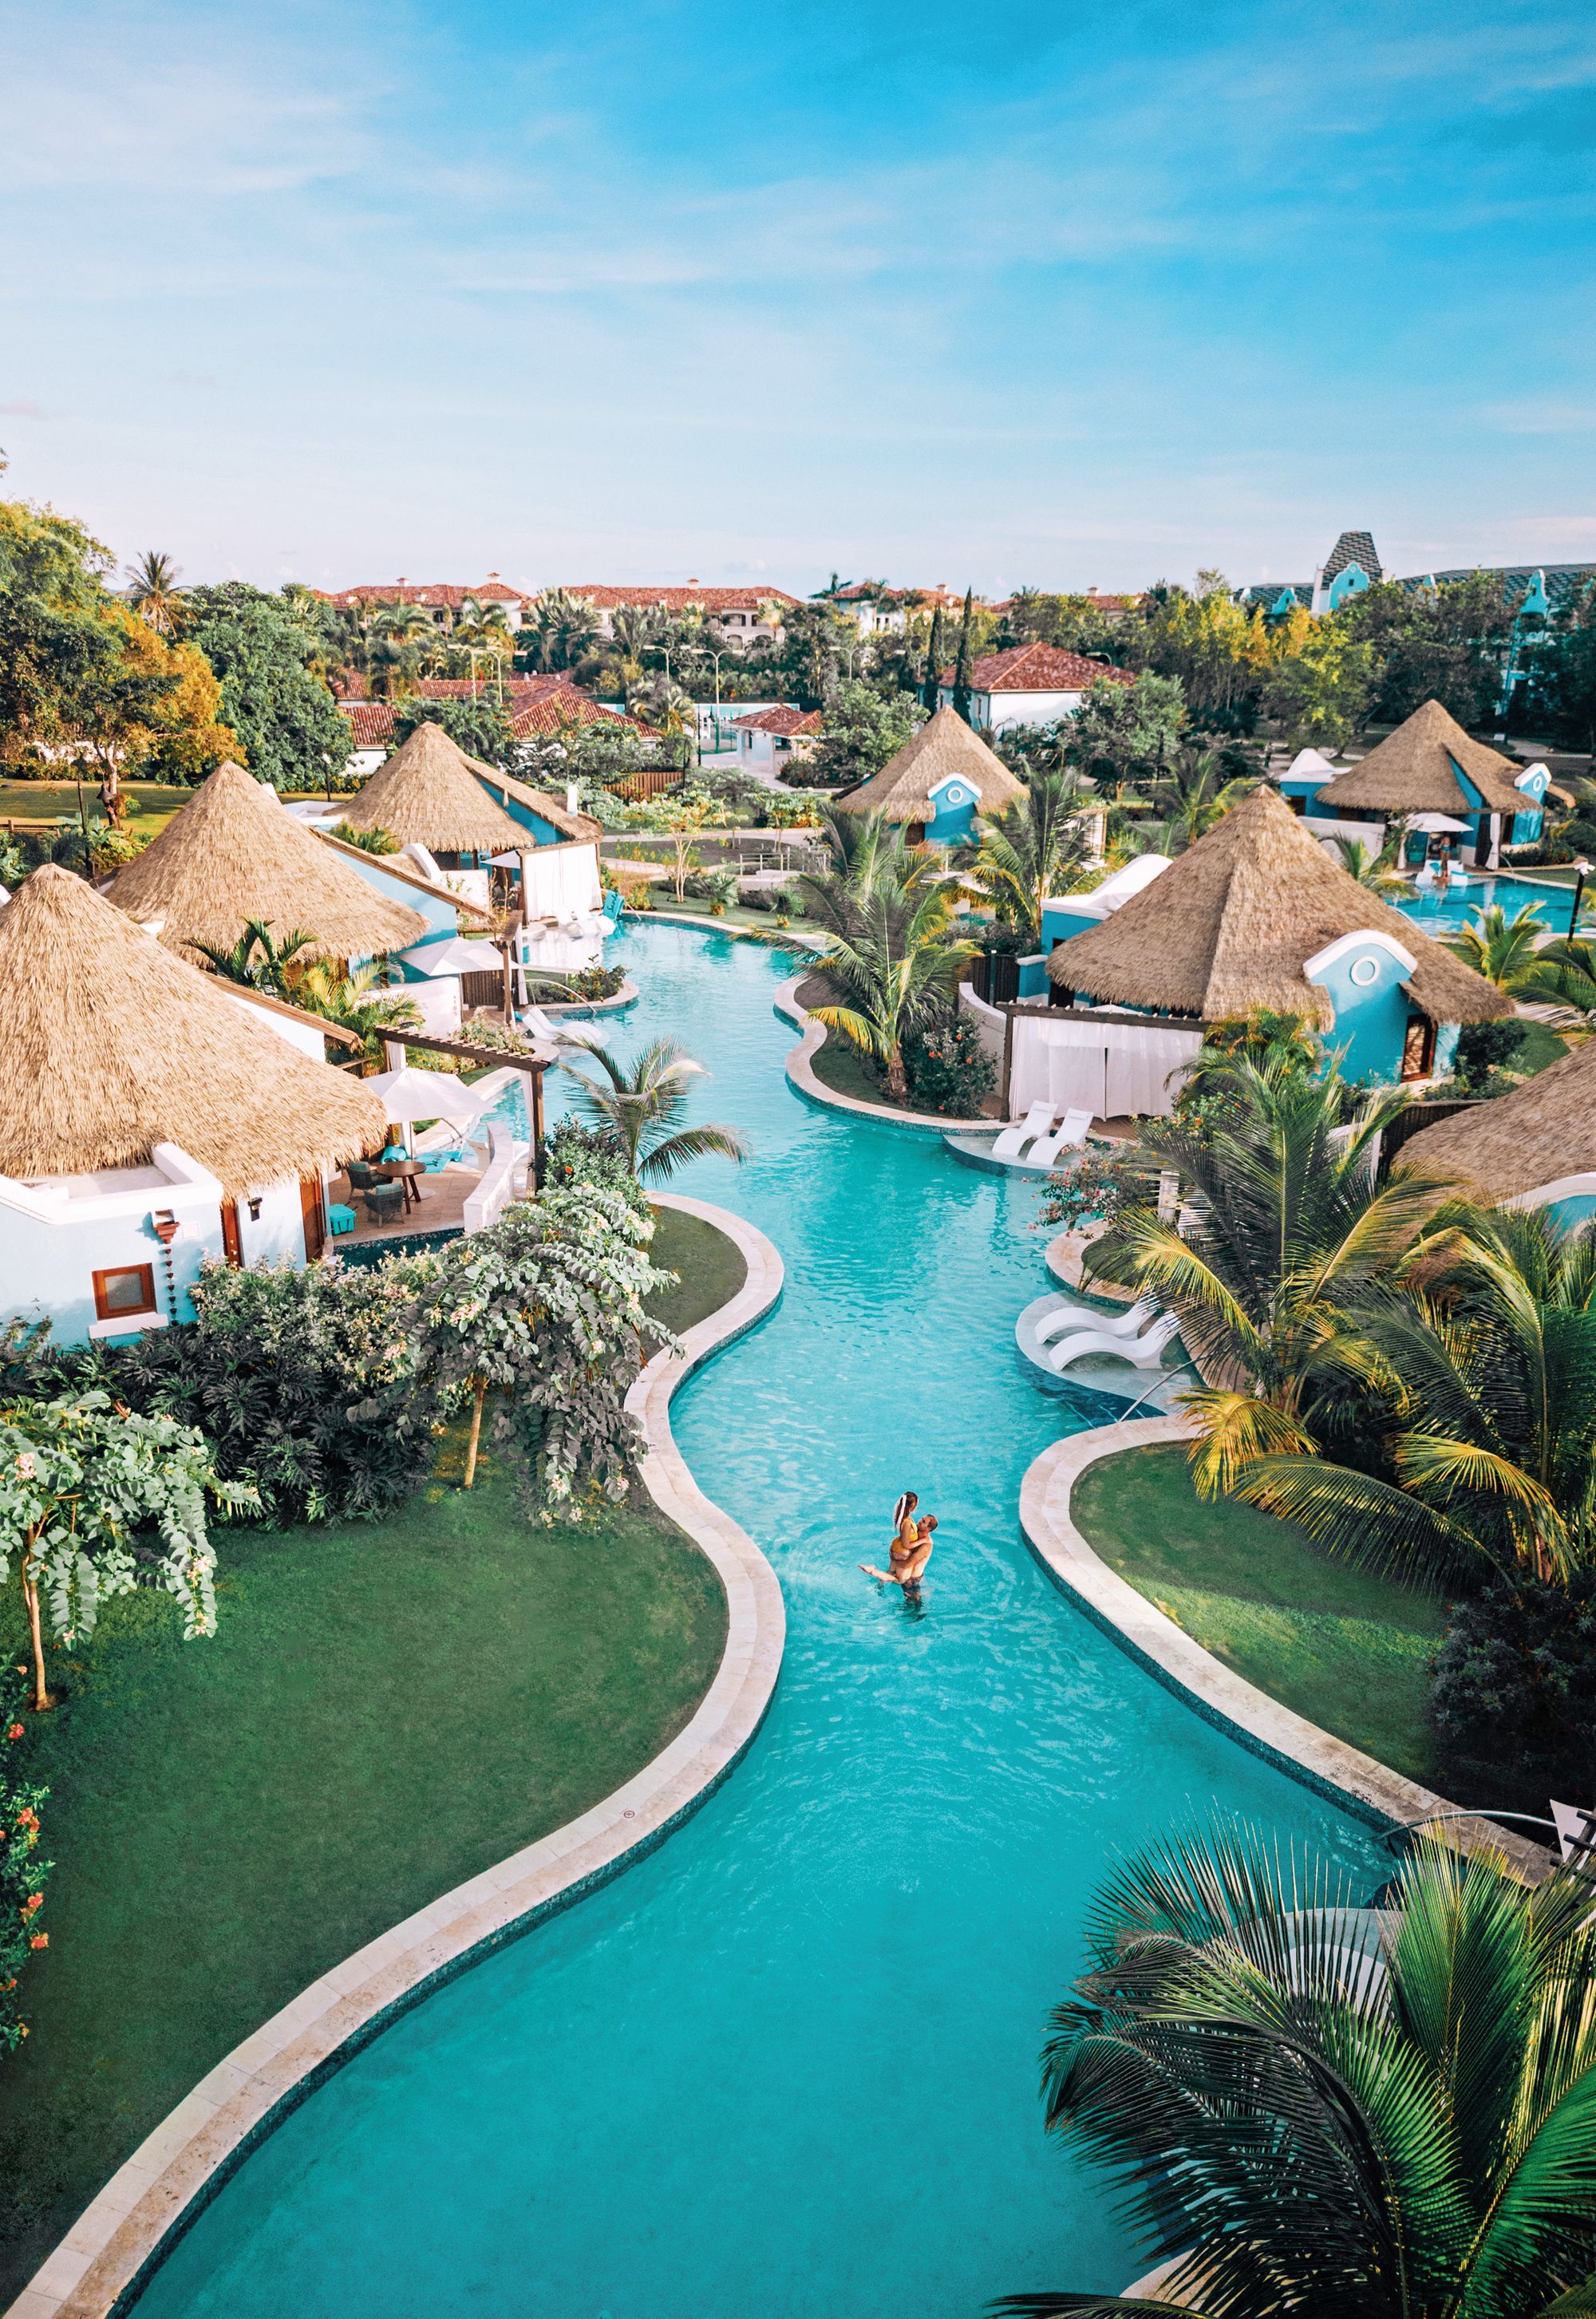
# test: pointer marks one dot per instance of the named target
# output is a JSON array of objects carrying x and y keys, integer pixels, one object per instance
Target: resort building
[
  {"x": 1256, "y": 915},
  {"x": 1427, "y": 772},
  {"x": 536, "y": 706},
  {"x": 442, "y": 599},
  {"x": 493, "y": 841},
  {"x": 236, "y": 854},
  {"x": 1535, "y": 1148},
  {"x": 1029, "y": 684},
  {"x": 773, "y": 738},
  {"x": 746, "y": 616},
  {"x": 879, "y": 611},
  {"x": 171, "y": 1116},
  {"x": 937, "y": 784}
]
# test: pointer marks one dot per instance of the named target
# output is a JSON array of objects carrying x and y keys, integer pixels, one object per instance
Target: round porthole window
[{"x": 1363, "y": 971}]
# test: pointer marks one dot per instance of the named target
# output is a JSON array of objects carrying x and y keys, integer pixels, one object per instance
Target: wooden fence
[{"x": 649, "y": 781}]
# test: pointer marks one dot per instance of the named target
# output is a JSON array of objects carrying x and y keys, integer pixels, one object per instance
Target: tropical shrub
[
  {"x": 22, "y": 1872},
  {"x": 574, "y": 1153},
  {"x": 545, "y": 1309},
  {"x": 367, "y": 840},
  {"x": 949, "y": 1068},
  {"x": 303, "y": 1382},
  {"x": 1514, "y": 1687},
  {"x": 641, "y": 1110},
  {"x": 1309, "y": 2107},
  {"x": 95, "y": 1500},
  {"x": 1483, "y": 1048}
]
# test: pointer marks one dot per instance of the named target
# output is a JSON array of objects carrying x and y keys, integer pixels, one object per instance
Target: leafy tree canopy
[
  {"x": 1128, "y": 733},
  {"x": 262, "y": 650},
  {"x": 481, "y": 725},
  {"x": 864, "y": 727},
  {"x": 1447, "y": 643}
]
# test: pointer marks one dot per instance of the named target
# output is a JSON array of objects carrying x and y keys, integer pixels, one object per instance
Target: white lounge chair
[
  {"x": 1068, "y": 1317},
  {"x": 1014, "y": 1140},
  {"x": 1068, "y": 1136},
  {"x": 1143, "y": 1352}
]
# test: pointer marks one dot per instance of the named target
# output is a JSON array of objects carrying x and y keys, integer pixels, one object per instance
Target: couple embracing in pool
[{"x": 910, "y": 1550}]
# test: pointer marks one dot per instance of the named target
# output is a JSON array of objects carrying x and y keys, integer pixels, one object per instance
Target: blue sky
[{"x": 1086, "y": 293}]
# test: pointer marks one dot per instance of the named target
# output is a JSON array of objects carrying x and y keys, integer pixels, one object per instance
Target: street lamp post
[{"x": 1583, "y": 871}]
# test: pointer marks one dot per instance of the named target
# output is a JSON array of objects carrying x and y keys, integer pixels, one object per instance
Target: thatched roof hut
[
  {"x": 122, "y": 1046},
  {"x": 1541, "y": 1134},
  {"x": 430, "y": 793},
  {"x": 944, "y": 745},
  {"x": 234, "y": 854},
  {"x": 1414, "y": 770},
  {"x": 1227, "y": 929}
]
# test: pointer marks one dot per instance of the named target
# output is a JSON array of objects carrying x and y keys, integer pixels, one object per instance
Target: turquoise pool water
[
  {"x": 789, "y": 2062},
  {"x": 1438, "y": 916}
]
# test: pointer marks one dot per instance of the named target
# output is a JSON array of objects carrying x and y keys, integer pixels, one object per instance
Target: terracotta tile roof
[
  {"x": 1040, "y": 668},
  {"x": 781, "y": 720},
  {"x": 433, "y": 593},
  {"x": 944, "y": 598},
  {"x": 535, "y": 705},
  {"x": 371, "y": 722},
  {"x": 676, "y": 600}
]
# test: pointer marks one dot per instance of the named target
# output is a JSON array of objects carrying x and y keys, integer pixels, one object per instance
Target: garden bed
[
  {"x": 385, "y": 1710},
  {"x": 1347, "y": 1650}
]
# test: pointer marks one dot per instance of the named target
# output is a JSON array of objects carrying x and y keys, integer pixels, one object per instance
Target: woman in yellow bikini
[{"x": 910, "y": 1550}]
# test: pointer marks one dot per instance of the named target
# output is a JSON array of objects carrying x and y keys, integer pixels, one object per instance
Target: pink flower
[
  {"x": 15, "y": 1731},
  {"x": 40, "y": 1941},
  {"x": 25, "y": 1465},
  {"x": 35, "y": 1900}
]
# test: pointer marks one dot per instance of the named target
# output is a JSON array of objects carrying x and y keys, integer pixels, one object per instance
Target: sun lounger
[
  {"x": 1068, "y": 1136},
  {"x": 1037, "y": 1121},
  {"x": 1143, "y": 1352},
  {"x": 1069, "y": 1317}
]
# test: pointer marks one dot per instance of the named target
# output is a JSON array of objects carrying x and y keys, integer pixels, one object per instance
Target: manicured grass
[
  {"x": 384, "y": 1710},
  {"x": 1541, "y": 1046},
  {"x": 151, "y": 805},
  {"x": 711, "y": 1267},
  {"x": 1350, "y": 1651}
]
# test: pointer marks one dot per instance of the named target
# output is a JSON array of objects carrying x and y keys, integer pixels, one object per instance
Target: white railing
[{"x": 502, "y": 1180}]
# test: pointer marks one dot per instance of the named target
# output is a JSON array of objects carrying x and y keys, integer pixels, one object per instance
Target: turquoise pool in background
[
  {"x": 789, "y": 2060},
  {"x": 1435, "y": 915}
]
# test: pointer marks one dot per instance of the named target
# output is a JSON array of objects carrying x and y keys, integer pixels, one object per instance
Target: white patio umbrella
[
  {"x": 455, "y": 956},
  {"x": 1433, "y": 825},
  {"x": 409, "y": 1093}
]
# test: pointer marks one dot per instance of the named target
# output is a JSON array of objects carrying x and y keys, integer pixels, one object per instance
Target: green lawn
[
  {"x": 711, "y": 1267},
  {"x": 150, "y": 804},
  {"x": 384, "y": 1710},
  {"x": 1347, "y": 1650}
]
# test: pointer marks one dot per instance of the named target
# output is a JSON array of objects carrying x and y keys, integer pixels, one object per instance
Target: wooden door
[
  {"x": 312, "y": 1207},
  {"x": 232, "y": 1238},
  {"x": 1417, "y": 1047}
]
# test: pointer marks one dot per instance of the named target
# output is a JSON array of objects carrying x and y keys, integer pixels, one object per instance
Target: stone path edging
[
  {"x": 121, "y": 2236},
  {"x": 1350, "y": 1778},
  {"x": 801, "y": 1073}
]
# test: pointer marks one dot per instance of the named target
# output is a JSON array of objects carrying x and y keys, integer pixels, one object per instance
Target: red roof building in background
[
  {"x": 537, "y": 706},
  {"x": 776, "y": 736},
  {"x": 1029, "y": 684},
  {"x": 441, "y": 597}
]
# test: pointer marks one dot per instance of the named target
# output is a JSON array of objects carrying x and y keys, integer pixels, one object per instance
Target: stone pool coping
[
  {"x": 800, "y": 1074},
  {"x": 1375, "y": 1794},
  {"x": 121, "y": 2237}
]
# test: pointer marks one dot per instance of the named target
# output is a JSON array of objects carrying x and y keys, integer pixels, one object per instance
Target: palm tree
[
  {"x": 356, "y": 1003},
  {"x": 1501, "y": 948},
  {"x": 366, "y": 841},
  {"x": 1032, "y": 849},
  {"x": 890, "y": 951},
  {"x": 257, "y": 958},
  {"x": 1372, "y": 867},
  {"x": 1313, "y": 2108},
  {"x": 640, "y": 1110},
  {"x": 154, "y": 593},
  {"x": 1482, "y": 1378},
  {"x": 1195, "y": 794},
  {"x": 405, "y": 637},
  {"x": 1564, "y": 975},
  {"x": 1289, "y": 1227},
  {"x": 482, "y": 628}
]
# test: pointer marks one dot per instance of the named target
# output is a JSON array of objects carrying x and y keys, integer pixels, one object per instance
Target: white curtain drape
[
  {"x": 562, "y": 881},
  {"x": 1117, "y": 1070}
]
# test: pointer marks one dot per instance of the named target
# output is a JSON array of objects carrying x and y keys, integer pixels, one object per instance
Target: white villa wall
[{"x": 997, "y": 712}]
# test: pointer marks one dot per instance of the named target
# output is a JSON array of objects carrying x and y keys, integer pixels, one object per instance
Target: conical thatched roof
[
  {"x": 1228, "y": 926},
  {"x": 944, "y": 744},
  {"x": 1414, "y": 770},
  {"x": 1542, "y": 1132},
  {"x": 122, "y": 1046},
  {"x": 234, "y": 853},
  {"x": 429, "y": 794}
]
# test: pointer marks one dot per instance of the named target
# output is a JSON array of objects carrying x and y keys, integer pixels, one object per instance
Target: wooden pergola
[{"x": 495, "y": 1059}]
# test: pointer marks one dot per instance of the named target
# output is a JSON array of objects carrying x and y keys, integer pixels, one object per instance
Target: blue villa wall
[
  {"x": 955, "y": 801},
  {"x": 1371, "y": 1016}
]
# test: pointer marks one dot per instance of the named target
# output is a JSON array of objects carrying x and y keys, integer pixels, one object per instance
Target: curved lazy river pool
[{"x": 789, "y": 2060}]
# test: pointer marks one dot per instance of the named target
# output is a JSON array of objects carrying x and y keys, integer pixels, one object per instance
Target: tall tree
[
  {"x": 961, "y": 666},
  {"x": 1032, "y": 849},
  {"x": 1563, "y": 670},
  {"x": 643, "y": 1109},
  {"x": 154, "y": 593},
  {"x": 931, "y": 693},
  {"x": 292, "y": 731},
  {"x": 1311, "y": 2108}
]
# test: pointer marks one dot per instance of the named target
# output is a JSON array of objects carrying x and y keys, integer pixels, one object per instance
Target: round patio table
[{"x": 403, "y": 1172}]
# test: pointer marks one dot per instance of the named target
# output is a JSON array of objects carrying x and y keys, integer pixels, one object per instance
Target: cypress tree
[
  {"x": 961, "y": 667},
  {"x": 933, "y": 664}
]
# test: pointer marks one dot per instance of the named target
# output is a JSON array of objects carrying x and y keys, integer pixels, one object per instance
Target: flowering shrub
[
  {"x": 22, "y": 1871},
  {"x": 950, "y": 1070}
]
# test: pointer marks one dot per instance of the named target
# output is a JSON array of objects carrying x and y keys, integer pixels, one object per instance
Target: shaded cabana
[
  {"x": 235, "y": 853},
  {"x": 1535, "y": 1147},
  {"x": 1255, "y": 917},
  {"x": 431, "y": 794},
  {"x": 1429, "y": 765},
  {"x": 937, "y": 784}
]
